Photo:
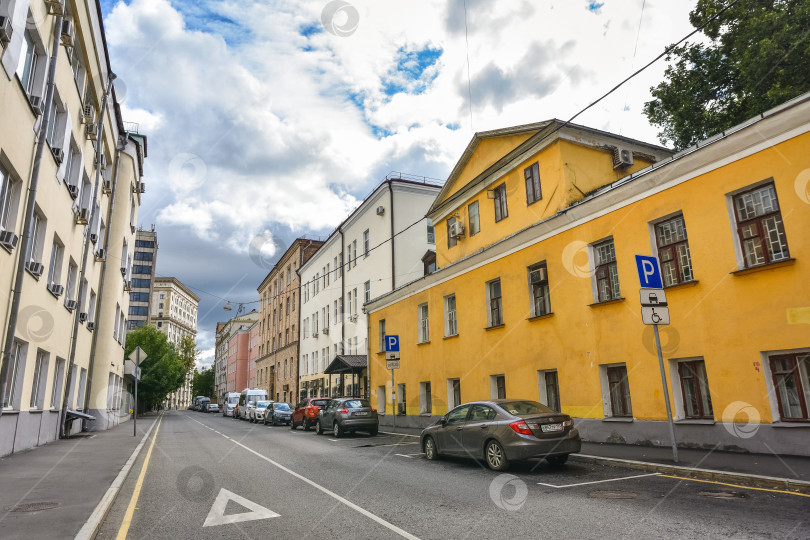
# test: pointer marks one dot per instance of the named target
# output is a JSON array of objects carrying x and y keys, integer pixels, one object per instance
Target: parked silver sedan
[{"x": 502, "y": 430}]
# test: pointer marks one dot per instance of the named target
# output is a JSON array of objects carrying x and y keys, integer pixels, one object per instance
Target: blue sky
[{"x": 271, "y": 119}]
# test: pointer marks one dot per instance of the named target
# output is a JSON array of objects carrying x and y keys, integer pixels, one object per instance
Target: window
[
  {"x": 40, "y": 377},
  {"x": 549, "y": 389},
  {"x": 139, "y": 311},
  {"x": 141, "y": 283},
  {"x": 538, "y": 290},
  {"x": 141, "y": 269},
  {"x": 759, "y": 226},
  {"x": 143, "y": 255},
  {"x": 70, "y": 286},
  {"x": 340, "y": 265},
  {"x": 494, "y": 303},
  {"x": 450, "y": 324},
  {"x": 9, "y": 201},
  {"x": 453, "y": 393},
  {"x": 458, "y": 416},
  {"x": 31, "y": 68},
  {"x": 791, "y": 378},
  {"x": 451, "y": 240},
  {"x": 314, "y": 325},
  {"x": 673, "y": 251},
  {"x": 425, "y": 399},
  {"x": 501, "y": 212},
  {"x": 14, "y": 374},
  {"x": 317, "y": 283},
  {"x": 401, "y": 401},
  {"x": 381, "y": 327},
  {"x": 607, "y": 273},
  {"x": 55, "y": 266},
  {"x": 354, "y": 306},
  {"x": 78, "y": 69},
  {"x": 424, "y": 336},
  {"x": 697, "y": 403},
  {"x": 497, "y": 386},
  {"x": 58, "y": 381},
  {"x": 326, "y": 275},
  {"x": 287, "y": 308},
  {"x": 431, "y": 232},
  {"x": 37, "y": 237},
  {"x": 475, "y": 220},
  {"x": 82, "y": 388},
  {"x": 618, "y": 391},
  {"x": 366, "y": 243},
  {"x": 367, "y": 292},
  {"x": 532, "y": 176}
]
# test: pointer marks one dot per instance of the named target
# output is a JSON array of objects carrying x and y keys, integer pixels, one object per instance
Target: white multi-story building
[
  {"x": 70, "y": 189},
  {"x": 174, "y": 312},
  {"x": 379, "y": 247}
]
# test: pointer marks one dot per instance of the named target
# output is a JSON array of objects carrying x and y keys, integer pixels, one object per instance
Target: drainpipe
[
  {"x": 393, "y": 272},
  {"x": 97, "y": 314},
  {"x": 99, "y": 149},
  {"x": 27, "y": 246}
]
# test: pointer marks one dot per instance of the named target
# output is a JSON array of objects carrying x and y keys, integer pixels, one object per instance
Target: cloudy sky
[{"x": 270, "y": 119}]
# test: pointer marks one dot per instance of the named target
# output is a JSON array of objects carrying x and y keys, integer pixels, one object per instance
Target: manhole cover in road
[
  {"x": 35, "y": 506},
  {"x": 612, "y": 494},
  {"x": 723, "y": 494}
]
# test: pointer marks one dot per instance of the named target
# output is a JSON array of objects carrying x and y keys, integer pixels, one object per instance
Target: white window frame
[
  {"x": 677, "y": 386},
  {"x": 423, "y": 319},
  {"x": 55, "y": 263},
  {"x": 450, "y": 316},
  {"x": 542, "y": 283},
  {"x": 367, "y": 292},
  {"x": 493, "y": 386},
  {"x": 425, "y": 398},
  {"x": 489, "y": 284},
  {"x": 732, "y": 213},
  {"x": 366, "y": 243},
  {"x": 15, "y": 374},
  {"x": 594, "y": 265},
  {"x": 542, "y": 389},
  {"x": 9, "y": 200},
  {"x": 40, "y": 379},
  {"x": 451, "y": 394},
  {"x": 58, "y": 382},
  {"x": 607, "y": 404}
]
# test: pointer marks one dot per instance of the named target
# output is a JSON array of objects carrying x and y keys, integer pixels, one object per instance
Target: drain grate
[
  {"x": 35, "y": 506},
  {"x": 723, "y": 494},
  {"x": 612, "y": 494}
]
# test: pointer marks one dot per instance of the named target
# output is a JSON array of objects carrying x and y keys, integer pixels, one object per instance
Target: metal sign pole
[
  {"x": 393, "y": 401},
  {"x": 137, "y": 376},
  {"x": 666, "y": 394}
]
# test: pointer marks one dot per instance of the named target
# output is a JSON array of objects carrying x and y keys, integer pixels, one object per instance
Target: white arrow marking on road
[{"x": 217, "y": 514}]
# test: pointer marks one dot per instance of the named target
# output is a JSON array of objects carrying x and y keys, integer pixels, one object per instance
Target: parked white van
[
  {"x": 229, "y": 401},
  {"x": 248, "y": 399}
]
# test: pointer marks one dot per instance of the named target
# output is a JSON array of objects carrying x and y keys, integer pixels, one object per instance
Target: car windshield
[
  {"x": 320, "y": 402},
  {"x": 356, "y": 403},
  {"x": 282, "y": 406},
  {"x": 233, "y": 400},
  {"x": 263, "y": 404},
  {"x": 525, "y": 408},
  {"x": 253, "y": 399}
]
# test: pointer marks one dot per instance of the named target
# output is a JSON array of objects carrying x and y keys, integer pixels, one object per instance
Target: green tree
[
  {"x": 757, "y": 57},
  {"x": 188, "y": 353},
  {"x": 162, "y": 373},
  {"x": 203, "y": 383}
]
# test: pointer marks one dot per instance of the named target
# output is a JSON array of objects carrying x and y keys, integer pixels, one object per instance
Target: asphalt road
[{"x": 205, "y": 468}]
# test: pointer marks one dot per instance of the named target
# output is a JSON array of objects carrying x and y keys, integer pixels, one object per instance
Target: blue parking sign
[
  {"x": 391, "y": 343},
  {"x": 649, "y": 273}
]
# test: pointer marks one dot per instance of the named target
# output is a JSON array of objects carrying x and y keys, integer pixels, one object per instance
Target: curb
[
  {"x": 90, "y": 528},
  {"x": 752, "y": 480}
]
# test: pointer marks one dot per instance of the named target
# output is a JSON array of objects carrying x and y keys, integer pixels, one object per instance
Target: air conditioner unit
[
  {"x": 36, "y": 104},
  {"x": 82, "y": 317},
  {"x": 326, "y": 331},
  {"x": 83, "y": 217},
  {"x": 91, "y": 326},
  {"x": 73, "y": 190},
  {"x": 8, "y": 240},
  {"x": 56, "y": 290},
  {"x": 380, "y": 210},
  {"x": 88, "y": 114},
  {"x": 35, "y": 268},
  {"x": 5, "y": 30},
  {"x": 71, "y": 304},
  {"x": 99, "y": 255},
  {"x": 123, "y": 271},
  {"x": 132, "y": 228},
  {"x": 55, "y": 7},
  {"x": 66, "y": 37},
  {"x": 622, "y": 157},
  {"x": 91, "y": 131},
  {"x": 141, "y": 187},
  {"x": 538, "y": 275},
  {"x": 106, "y": 187},
  {"x": 353, "y": 318},
  {"x": 58, "y": 155},
  {"x": 128, "y": 285},
  {"x": 102, "y": 164},
  {"x": 93, "y": 237},
  {"x": 457, "y": 229}
]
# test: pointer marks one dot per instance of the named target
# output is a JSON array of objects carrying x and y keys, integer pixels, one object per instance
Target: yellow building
[{"x": 535, "y": 295}]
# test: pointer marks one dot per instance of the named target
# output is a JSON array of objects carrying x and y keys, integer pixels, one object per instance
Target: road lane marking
[
  {"x": 734, "y": 485},
  {"x": 371, "y": 516},
  {"x": 597, "y": 481},
  {"x": 122, "y": 532},
  {"x": 217, "y": 514}
]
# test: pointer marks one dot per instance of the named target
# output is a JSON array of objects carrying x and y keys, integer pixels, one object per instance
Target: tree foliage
[
  {"x": 203, "y": 383},
  {"x": 162, "y": 372},
  {"x": 756, "y": 57}
]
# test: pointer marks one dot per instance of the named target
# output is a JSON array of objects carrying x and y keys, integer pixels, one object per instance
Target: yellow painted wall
[{"x": 724, "y": 318}]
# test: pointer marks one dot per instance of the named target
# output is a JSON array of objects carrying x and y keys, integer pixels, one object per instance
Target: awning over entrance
[{"x": 347, "y": 363}]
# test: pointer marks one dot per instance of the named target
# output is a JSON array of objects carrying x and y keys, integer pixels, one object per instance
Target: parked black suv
[{"x": 347, "y": 414}]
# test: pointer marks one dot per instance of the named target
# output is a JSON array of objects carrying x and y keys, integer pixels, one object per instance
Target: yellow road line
[
  {"x": 122, "y": 532},
  {"x": 734, "y": 485}
]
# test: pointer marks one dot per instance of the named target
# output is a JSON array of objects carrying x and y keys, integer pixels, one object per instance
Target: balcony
[{"x": 131, "y": 371}]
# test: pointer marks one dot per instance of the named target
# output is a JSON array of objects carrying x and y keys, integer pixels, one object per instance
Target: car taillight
[
  {"x": 568, "y": 423},
  {"x": 521, "y": 427},
  {"x": 373, "y": 410},
  {"x": 344, "y": 410}
]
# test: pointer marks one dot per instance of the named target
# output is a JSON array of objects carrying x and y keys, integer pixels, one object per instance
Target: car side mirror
[{"x": 443, "y": 421}]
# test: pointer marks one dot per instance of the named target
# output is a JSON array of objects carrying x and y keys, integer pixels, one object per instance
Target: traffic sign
[
  {"x": 391, "y": 343},
  {"x": 649, "y": 272},
  {"x": 137, "y": 355},
  {"x": 392, "y": 364},
  {"x": 653, "y": 297},
  {"x": 655, "y": 315},
  {"x": 392, "y": 355}
]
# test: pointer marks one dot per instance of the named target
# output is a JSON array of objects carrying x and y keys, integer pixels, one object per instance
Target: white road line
[
  {"x": 404, "y": 455},
  {"x": 399, "y": 434},
  {"x": 597, "y": 481},
  {"x": 371, "y": 516}
]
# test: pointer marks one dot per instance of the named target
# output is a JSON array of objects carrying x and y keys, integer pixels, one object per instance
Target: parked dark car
[
  {"x": 307, "y": 412},
  {"x": 279, "y": 413},
  {"x": 502, "y": 430},
  {"x": 346, "y": 415}
]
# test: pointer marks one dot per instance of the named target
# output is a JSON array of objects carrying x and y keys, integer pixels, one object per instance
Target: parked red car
[{"x": 306, "y": 413}]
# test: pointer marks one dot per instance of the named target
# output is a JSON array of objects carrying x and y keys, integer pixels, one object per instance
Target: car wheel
[
  {"x": 318, "y": 427},
  {"x": 430, "y": 449},
  {"x": 292, "y": 425},
  {"x": 496, "y": 457},
  {"x": 305, "y": 425},
  {"x": 337, "y": 431},
  {"x": 373, "y": 432},
  {"x": 557, "y": 460}
]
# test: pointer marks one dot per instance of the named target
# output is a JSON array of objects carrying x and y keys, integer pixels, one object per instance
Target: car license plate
[
  {"x": 361, "y": 413},
  {"x": 550, "y": 428}
]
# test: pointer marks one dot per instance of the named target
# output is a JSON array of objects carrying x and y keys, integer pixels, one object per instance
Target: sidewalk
[
  {"x": 51, "y": 491},
  {"x": 762, "y": 470}
]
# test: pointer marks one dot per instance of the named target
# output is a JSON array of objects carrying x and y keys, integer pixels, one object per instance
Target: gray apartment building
[{"x": 143, "y": 278}]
